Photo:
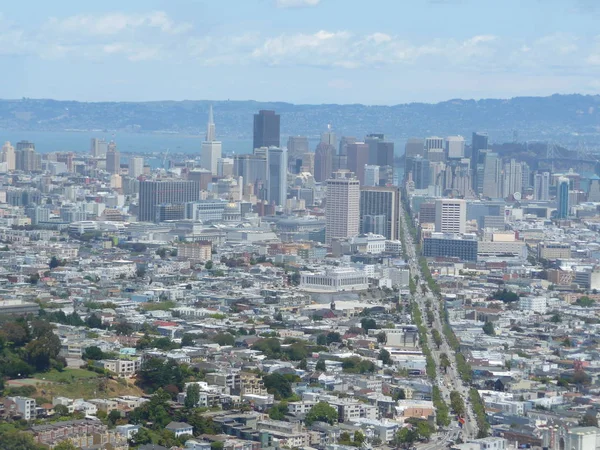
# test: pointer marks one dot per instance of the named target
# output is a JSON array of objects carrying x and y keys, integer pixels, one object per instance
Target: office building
[
  {"x": 136, "y": 166},
  {"x": 211, "y": 148},
  {"x": 323, "y": 161},
  {"x": 541, "y": 186},
  {"x": 308, "y": 162},
  {"x": 563, "y": 198},
  {"x": 435, "y": 149},
  {"x": 525, "y": 177},
  {"x": 344, "y": 142},
  {"x": 113, "y": 160},
  {"x": 442, "y": 245},
  {"x": 455, "y": 147},
  {"x": 329, "y": 138},
  {"x": 450, "y": 215},
  {"x": 154, "y": 193},
  {"x": 98, "y": 148},
  {"x": 371, "y": 175},
  {"x": 414, "y": 147},
  {"x": 427, "y": 213},
  {"x": 277, "y": 175},
  {"x": 512, "y": 180},
  {"x": 342, "y": 215},
  {"x": 421, "y": 171},
  {"x": 26, "y": 158},
  {"x": 593, "y": 194},
  {"x": 252, "y": 168},
  {"x": 266, "y": 129},
  {"x": 297, "y": 146},
  {"x": 9, "y": 156},
  {"x": 381, "y": 153},
  {"x": 479, "y": 143},
  {"x": 380, "y": 201},
  {"x": 492, "y": 173},
  {"x": 357, "y": 159}
]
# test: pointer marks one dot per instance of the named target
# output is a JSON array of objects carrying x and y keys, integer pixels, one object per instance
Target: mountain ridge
[{"x": 559, "y": 116}]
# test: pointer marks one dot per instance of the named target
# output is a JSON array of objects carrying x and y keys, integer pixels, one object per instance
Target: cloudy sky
[{"x": 301, "y": 51}]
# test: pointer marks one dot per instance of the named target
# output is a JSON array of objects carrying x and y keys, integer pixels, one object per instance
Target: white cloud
[
  {"x": 296, "y": 3},
  {"x": 115, "y": 23}
]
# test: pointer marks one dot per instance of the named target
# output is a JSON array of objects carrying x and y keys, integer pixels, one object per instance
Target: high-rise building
[
  {"x": 414, "y": 147},
  {"x": 323, "y": 161},
  {"x": 9, "y": 156},
  {"x": 26, "y": 158},
  {"x": 357, "y": 158},
  {"x": 297, "y": 146},
  {"x": 253, "y": 168},
  {"x": 563, "y": 198},
  {"x": 113, "y": 160},
  {"x": 455, "y": 147},
  {"x": 434, "y": 143},
  {"x": 380, "y": 201},
  {"x": 492, "y": 171},
  {"x": 541, "y": 186},
  {"x": 154, "y": 193},
  {"x": 328, "y": 137},
  {"x": 98, "y": 148},
  {"x": 512, "y": 181},
  {"x": 136, "y": 166},
  {"x": 381, "y": 152},
  {"x": 211, "y": 148},
  {"x": 525, "y": 176},
  {"x": 277, "y": 175},
  {"x": 593, "y": 194},
  {"x": 371, "y": 175},
  {"x": 421, "y": 173},
  {"x": 308, "y": 162},
  {"x": 344, "y": 142},
  {"x": 450, "y": 215},
  {"x": 479, "y": 143},
  {"x": 266, "y": 129},
  {"x": 342, "y": 209}
]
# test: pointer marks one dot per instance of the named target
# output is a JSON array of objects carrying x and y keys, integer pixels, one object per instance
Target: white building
[
  {"x": 455, "y": 147},
  {"x": 25, "y": 406},
  {"x": 342, "y": 215},
  {"x": 371, "y": 175},
  {"x": 335, "y": 280},
  {"x": 136, "y": 166},
  {"x": 211, "y": 148},
  {"x": 535, "y": 304},
  {"x": 450, "y": 215}
]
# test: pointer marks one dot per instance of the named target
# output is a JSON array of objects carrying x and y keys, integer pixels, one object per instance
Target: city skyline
[{"x": 289, "y": 50}]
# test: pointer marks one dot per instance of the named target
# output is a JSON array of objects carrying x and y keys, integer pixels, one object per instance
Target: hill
[{"x": 556, "y": 117}]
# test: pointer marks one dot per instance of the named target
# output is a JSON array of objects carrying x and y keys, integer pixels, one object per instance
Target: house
[{"x": 180, "y": 428}]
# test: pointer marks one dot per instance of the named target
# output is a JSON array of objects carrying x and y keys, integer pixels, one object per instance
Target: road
[{"x": 449, "y": 381}]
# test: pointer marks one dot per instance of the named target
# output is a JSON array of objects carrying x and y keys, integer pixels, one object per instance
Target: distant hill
[{"x": 554, "y": 117}]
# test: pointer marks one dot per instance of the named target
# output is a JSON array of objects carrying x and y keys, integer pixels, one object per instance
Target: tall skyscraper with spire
[{"x": 211, "y": 148}]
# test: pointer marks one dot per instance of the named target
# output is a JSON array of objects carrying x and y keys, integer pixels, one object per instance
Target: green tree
[
  {"x": 208, "y": 265},
  {"x": 142, "y": 437},
  {"x": 113, "y": 416},
  {"x": 93, "y": 321},
  {"x": 585, "y": 301},
  {"x": 187, "y": 340},
  {"x": 368, "y": 324},
  {"x": 321, "y": 412},
  {"x": 279, "y": 385},
  {"x": 93, "y": 353},
  {"x": 217, "y": 445},
  {"x": 488, "y": 328},
  {"x": 192, "y": 396},
  {"x": 224, "y": 339},
  {"x": 320, "y": 366},
  {"x": 65, "y": 445},
  {"x": 278, "y": 411},
  {"x": 406, "y": 435},
  {"x": 321, "y": 339},
  {"x": 18, "y": 440},
  {"x": 302, "y": 365},
  {"x": 384, "y": 357},
  {"x": 555, "y": 318},
  {"x": 381, "y": 337},
  {"x": 54, "y": 262},
  {"x": 359, "y": 438},
  {"x": 332, "y": 337},
  {"x": 123, "y": 328},
  {"x": 589, "y": 420},
  {"x": 61, "y": 410}
]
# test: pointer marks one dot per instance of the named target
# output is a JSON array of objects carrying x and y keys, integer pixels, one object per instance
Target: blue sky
[{"x": 301, "y": 51}]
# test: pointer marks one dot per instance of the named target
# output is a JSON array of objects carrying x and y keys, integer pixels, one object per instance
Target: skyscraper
[
  {"x": 541, "y": 186},
  {"x": 277, "y": 175},
  {"x": 358, "y": 157},
  {"x": 593, "y": 194},
  {"x": 563, "y": 198},
  {"x": 9, "y": 156},
  {"x": 98, "y": 148},
  {"x": 414, "y": 147},
  {"x": 371, "y": 175},
  {"x": 344, "y": 141},
  {"x": 113, "y": 160},
  {"x": 328, "y": 137},
  {"x": 26, "y": 158},
  {"x": 450, "y": 215},
  {"x": 297, "y": 146},
  {"x": 136, "y": 166},
  {"x": 323, "y": 161},
  {"x": 167, "y": 193},
  {"x": 380, "y": 201},
  {"x": 419, "y": 167},
  {"x": 512, "y": 181},
  {"x": 455, "y": 147},
  {"x": 211, "y": 148},
  {"x": 266, "y": 129},
  {"x": 342, "y": 209},
  {"x": 492, "y": 171},
  {"x": 479, "y": 143}
]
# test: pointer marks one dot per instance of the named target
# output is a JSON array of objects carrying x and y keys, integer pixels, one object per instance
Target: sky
[{"x": 299, "y": 51}]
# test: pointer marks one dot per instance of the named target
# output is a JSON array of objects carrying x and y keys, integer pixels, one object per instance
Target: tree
[
  {"x": 368, "y": 324},
  {"x": 302, "y": 365},
  {"x": 320, "y": 366},
  {"x": 555, "y": 318},
  {"x": 54, "y": 262},
  {"x": 123, "y": 328},
  {"x": 332, "y": 337},
  {"x": 381, "y": 337},
  {"x": 585, "y": 301},
  {"x": 406, "y": 435},
  {"x": 321, "y": 339},
  {"x": 588, "y": 420},
  {"x": 208, "y": 265},
  {"x": 384, "y": 357},
  {"x": 224, "y": 339},
  {"x": 94, "y": 321},
  {"x": 217, "y": 445},
  {"x": 278, "y": 411},
  {"x": 279, "y": 385},
  {"x": 140, "y": 438},
  {"x": 192, "y": 396},
  {"x": 65, "y": 445},
  {"x": 359, "y": 438},
  {"x": 113, "y": 416},
  {"x": 61, "y": 410},
  {"x": 93, "y": 353},
  {"x": 187, "y": 340},
  {"x": 321, "y": 412},
  {"x": 488, "y": 328},
  {"x": 17, "y": 440}
]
